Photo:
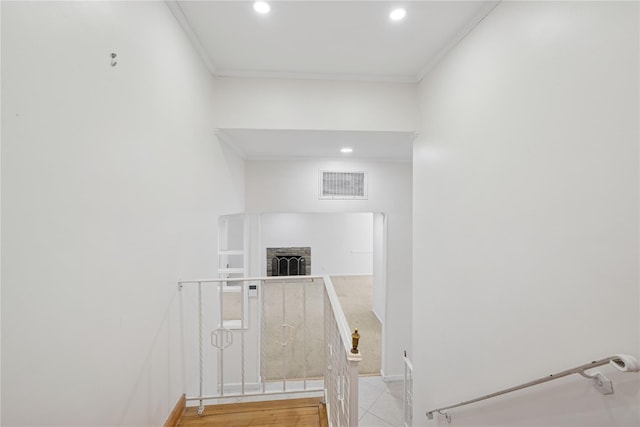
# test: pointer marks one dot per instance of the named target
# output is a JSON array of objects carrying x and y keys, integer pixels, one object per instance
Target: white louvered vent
[{"x": 343, "y": 185}]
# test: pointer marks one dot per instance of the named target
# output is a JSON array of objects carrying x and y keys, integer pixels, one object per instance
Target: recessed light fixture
[
  {"x": 346, "y": 150},
  {"x": 397, "y": 14},
  {"x": 261, "y": 7}
]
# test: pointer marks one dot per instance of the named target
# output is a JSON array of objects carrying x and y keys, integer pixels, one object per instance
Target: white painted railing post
[{"x": 354, "y": 372}]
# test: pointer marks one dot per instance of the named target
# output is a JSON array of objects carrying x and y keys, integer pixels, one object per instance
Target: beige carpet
[{"x": 355, "y": 295}]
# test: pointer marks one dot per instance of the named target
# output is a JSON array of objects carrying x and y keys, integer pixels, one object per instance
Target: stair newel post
[{"x": 354, "y": 358}]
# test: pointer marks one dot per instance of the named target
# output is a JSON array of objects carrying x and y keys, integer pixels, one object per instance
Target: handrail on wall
[{"x": 622, "y": 362}]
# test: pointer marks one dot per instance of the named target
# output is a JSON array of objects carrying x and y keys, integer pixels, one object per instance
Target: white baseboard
[
  {"x": 389, "y": 378},
  {"x": 377, "y": 317}
]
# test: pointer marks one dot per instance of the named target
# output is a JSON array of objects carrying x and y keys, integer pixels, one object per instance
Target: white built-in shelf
[
  {"x": 231, "y": 270},
  {"x": 231, "y": 252}
]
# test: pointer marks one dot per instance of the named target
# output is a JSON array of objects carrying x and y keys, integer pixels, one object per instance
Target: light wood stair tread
[{"x": 275, "y": 413}]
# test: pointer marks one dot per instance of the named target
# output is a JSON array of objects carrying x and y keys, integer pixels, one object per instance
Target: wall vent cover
[{"x": 343, "y": 185}]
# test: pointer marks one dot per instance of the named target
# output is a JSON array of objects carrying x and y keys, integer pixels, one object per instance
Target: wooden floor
[{"x": 276, "y": 413}]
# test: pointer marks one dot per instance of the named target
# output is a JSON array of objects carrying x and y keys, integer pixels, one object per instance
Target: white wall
[
  {"x": 112, "y": 182},
  {"x": 253, "y": 103},
  {"x": 526, "y": 216},
  {"x": 389, "y": 192},
  {"x": 341, "y": 243},
  {"x": 379, "y": 266}
]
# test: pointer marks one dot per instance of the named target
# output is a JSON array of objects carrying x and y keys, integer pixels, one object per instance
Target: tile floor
[{"x": 380, "y": 402}]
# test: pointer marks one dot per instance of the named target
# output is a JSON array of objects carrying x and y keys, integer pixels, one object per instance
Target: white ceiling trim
[
  {"x": 222, "y": 72},
  {"x": 326, "y": 159},
  {"x": 484, "y": 12},
  {"x": 174, "y": 7}
]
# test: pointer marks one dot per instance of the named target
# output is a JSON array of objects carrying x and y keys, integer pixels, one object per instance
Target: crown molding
[
  {"x": 466, "y": 30},
  {"x": 177, "y": 12},
  {"x": 357, "y": 159},
  {"x": 375, "y": 78}
]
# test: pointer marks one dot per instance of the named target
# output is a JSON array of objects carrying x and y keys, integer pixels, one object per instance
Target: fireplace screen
[
  {"x": 292, "y": 261},
  {"x": 287, "y": 265}
]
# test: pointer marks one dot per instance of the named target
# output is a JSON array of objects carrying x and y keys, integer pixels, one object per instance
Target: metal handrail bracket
[{"x": 622, "y": 362}]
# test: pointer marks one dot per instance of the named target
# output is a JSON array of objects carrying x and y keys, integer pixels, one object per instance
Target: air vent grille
[{"x": 343, "y": 185}]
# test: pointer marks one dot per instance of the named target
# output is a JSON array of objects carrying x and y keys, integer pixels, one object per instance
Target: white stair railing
[
  {"x": 342, "y": 367},
  {"x": 255, "y": 338},
  {"x": 407, "y": 395}
]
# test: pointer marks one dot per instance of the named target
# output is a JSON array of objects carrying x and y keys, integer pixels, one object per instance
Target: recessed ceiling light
[
  {"x": 346, "y": 150},
  {"x": 397, "y": 14},
  {"x": 261, "y": 7}
]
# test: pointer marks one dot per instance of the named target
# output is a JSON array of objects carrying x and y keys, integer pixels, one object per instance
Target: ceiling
[
  {"x": 328, "y": 39},
  {"x": 338, "y": 40}
]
